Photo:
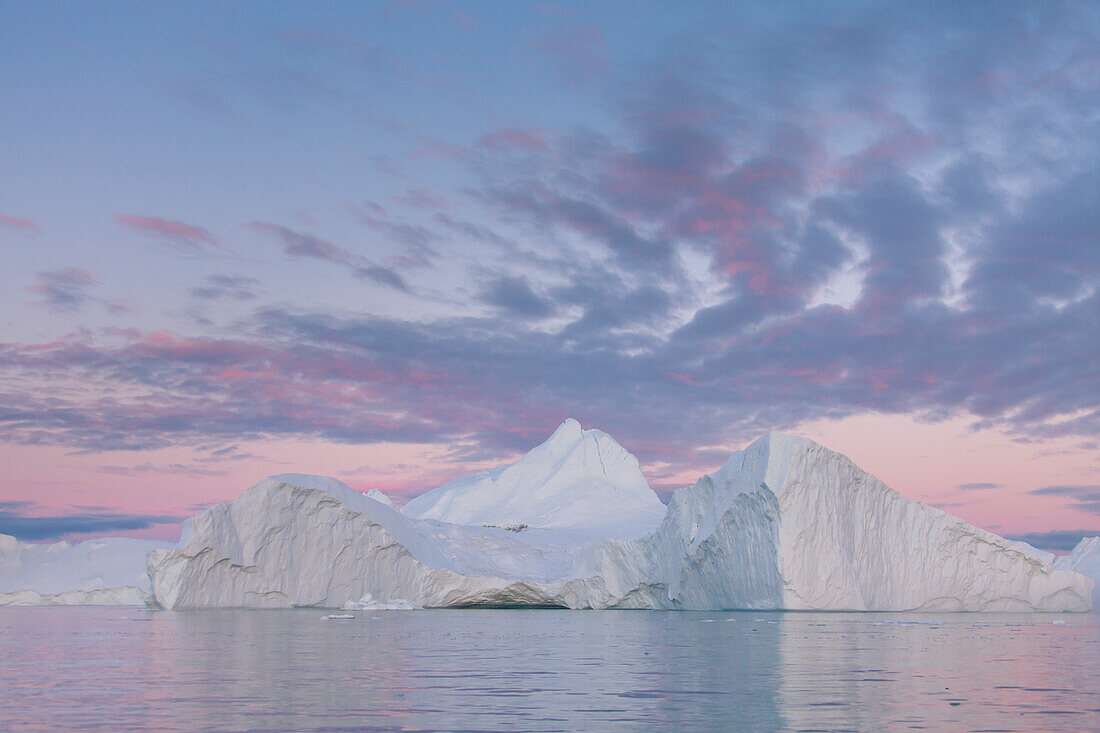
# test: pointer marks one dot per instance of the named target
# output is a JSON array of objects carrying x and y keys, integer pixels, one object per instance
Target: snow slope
[
  {"x": 94, "y": 572},
  {"x": 1040, "y": 555},
  {"x": 577, "y": 479},
  {"x": 785, "y": 523}
]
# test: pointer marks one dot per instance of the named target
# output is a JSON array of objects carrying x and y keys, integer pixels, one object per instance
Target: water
[{"x": 543, "y": 670}]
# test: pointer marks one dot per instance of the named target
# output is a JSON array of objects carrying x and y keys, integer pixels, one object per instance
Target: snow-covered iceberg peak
[
  {"x": 379, "y": 496},
  {"x": 577, "y": 479}
]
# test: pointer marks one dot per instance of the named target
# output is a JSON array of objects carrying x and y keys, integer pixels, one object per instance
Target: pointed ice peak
[
  {"x": 380, "y": 497},
  {"x": 335, "y": 488},
  {"x": 773, "y": 449},
  {"x": 576, "y": 478},
  {"x": 569, "y": 432},
  {"x": 311, "y": 481}
]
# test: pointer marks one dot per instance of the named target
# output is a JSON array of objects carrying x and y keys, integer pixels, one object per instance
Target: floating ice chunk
[{"x": 368, "y": 603}]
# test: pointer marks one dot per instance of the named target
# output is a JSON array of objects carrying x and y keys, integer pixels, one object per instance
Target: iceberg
[
  {"x": 783, "y": 524},
  {"x": 104, "y": 572},
  {"x": 1084, "y": 559}
]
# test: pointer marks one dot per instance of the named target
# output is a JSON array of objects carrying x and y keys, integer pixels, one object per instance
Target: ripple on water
[{"x": 544, "y": 670}]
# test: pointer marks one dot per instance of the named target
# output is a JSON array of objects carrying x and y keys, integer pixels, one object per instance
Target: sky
[{"x": 400, "y": 242}]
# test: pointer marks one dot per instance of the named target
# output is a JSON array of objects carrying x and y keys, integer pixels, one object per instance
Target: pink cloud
[
  {"x": 177, "y": 231},
  {"x": 18, "y": 222}
]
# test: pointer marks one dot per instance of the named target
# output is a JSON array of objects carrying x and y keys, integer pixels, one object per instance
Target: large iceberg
[{"x": 784, "y": 524}]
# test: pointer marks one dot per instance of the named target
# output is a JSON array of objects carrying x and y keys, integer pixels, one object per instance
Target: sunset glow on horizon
[{"x": 400, "y": 242}]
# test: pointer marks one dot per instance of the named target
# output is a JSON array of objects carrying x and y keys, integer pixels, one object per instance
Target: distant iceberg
[
  {"x": 784, "y": 524},
  {"x": 1084, "y": 559},
  {"x": 105, "y": 572}
]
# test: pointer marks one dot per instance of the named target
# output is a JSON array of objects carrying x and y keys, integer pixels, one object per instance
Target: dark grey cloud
[
  {"x": 226, "y": 287},
  {"x": 978, "y": 486},
  {"x": 384, "y": 276},
  {"x": 1058, "y": 540},
  {"x": 1083, "y": 497},
  {"x": 38, "y": 528},
  {"x": 892, "y": 214},
  {"x": 67, "y": 289},
  {"x": 514, "y": 296},
  {"x": 299, "y": 244},
  {"x": 417, "y": 241}
]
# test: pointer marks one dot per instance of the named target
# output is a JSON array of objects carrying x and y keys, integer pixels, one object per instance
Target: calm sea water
[{"x": 542, "y": 670}]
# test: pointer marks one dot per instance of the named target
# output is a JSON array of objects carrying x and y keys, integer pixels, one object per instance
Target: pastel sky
[{"x": 397, "y": 242}]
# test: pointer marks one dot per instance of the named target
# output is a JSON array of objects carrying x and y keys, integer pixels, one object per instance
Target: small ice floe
[
  {"x": 337, "y": 617},
  {"x": 1058, "y": 622},
  {"x": 368, "y": 603},
  {"x": 707, "y": 621}
]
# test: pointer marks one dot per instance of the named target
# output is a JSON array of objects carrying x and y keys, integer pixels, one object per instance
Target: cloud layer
[{"x": 686, "y": 237}]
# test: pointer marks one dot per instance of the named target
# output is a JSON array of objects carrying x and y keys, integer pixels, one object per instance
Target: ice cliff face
[
  {"x": 785, "y": 523},
  {"x": 789, "y": 524},
  {"x": 578, "y": 479}
]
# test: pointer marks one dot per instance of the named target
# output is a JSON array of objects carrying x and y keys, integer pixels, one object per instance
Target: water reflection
[{"x": 115, "y": 669}]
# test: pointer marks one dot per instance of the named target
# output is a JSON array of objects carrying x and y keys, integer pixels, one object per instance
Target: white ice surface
[
  {"x": 577, "y": 479},
  {"x": 63, "y": 573},
  {"x": 785, "y": 523},
  {"x": 368, "y": 603},
  {"x": 1084, "y": 559},
  {"x": 1040, "y": 555}
]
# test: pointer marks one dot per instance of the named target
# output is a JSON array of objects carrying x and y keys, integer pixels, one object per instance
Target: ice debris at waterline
[
  {"x": 784, "y": 524},
  {"x": 367, "y": 603}
]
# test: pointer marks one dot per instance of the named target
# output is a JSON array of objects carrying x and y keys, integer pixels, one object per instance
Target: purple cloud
[
  {"x": 66, "y": 289},
  {"x": 306, "y": 245}
]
